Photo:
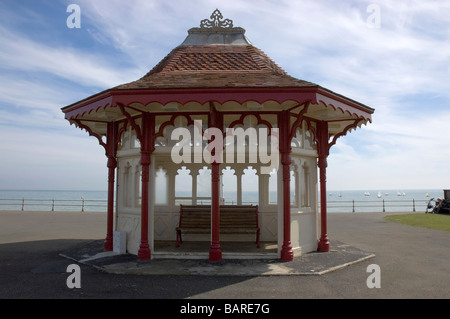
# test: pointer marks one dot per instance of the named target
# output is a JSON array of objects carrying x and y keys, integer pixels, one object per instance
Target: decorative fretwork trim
[{"x": 215, "y": 22}]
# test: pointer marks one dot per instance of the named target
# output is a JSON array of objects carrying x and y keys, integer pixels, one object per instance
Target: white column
[
  {"x": 307, "y": 185},
  {"x": 238, "y": 173},
  {"x": 171, "y": 173},
  {"x": 263, "y": 190},
  {"x": 194, "y": 174}
]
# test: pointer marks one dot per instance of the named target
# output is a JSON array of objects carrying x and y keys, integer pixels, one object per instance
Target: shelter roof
[
  {"x": 216, "y": 63},
  {"x": 216, "y": 55}
]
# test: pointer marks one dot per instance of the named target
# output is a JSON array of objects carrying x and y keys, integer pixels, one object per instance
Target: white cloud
[
  {"x": 25, "y": 93},
  {"x": 410, "y": 154},
  {"x": 20, "y": 53}
]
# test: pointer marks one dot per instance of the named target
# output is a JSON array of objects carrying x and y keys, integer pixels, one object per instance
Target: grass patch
[{"x": 434, "y": 221}]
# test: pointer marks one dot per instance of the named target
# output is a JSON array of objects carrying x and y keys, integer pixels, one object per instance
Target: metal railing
[
  {"x": 83, "y": 205},
  {"x": 32, "y": 204},
  {"x": 377, "y": 205}
]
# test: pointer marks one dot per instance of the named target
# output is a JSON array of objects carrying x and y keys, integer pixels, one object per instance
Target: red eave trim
[
  {"x": 89, "y": 104},
  {"x": 315, "y": 95},
  {"x": 201, "y": 95},
  {"x": 343, "y": 103}
]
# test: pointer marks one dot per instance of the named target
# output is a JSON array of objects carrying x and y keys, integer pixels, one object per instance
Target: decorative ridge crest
[{"x": 215, "y": 22}]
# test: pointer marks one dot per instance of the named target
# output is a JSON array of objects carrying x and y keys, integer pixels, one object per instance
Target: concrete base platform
[
  {"x": 340, "y": 256},
  {"x": 200, "y": 250}
]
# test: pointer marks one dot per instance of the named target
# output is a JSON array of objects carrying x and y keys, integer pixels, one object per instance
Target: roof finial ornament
[{"x": 215, "y": 22}]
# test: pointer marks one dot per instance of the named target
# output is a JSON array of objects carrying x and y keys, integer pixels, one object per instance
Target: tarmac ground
[
  {"x": 34, "y": 249},
  {"x": 340, "y": 255}
]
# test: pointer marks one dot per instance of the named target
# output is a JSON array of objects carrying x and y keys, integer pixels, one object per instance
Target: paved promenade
[{"x": 414, "y": 263}]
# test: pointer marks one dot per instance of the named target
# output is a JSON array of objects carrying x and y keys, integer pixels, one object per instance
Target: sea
[
  {"x": 410, "y": 200},
  {"x": 413, "y": 200}
]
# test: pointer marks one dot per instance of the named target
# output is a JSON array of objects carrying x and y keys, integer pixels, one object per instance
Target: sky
[{"x": 393, "y": 56}]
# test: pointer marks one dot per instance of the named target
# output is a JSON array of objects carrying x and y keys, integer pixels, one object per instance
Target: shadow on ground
[
  {"x": 37, "y": 270},
  {"x": 340, "y": 255}
]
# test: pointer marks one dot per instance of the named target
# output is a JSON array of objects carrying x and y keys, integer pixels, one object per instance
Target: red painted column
[
  {"x": 287, "y": 253},
  {"x": 146, "y": 147},
  {"x": 112, "y": 164},
  {"x": 324, "y": 243},
  {"x": 215, "y": 252},
  {"x": 144, "y": 248}
]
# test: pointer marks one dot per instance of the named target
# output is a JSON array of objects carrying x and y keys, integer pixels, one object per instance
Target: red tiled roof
[
  {"x": 217, "y": 62},
  {"x": 203, "y": 66}
]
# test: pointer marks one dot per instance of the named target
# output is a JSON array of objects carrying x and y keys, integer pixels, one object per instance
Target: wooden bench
[{"x": 196, "y": 219}]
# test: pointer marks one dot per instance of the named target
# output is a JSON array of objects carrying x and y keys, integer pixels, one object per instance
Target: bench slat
[{"x": 233, "y": 220}]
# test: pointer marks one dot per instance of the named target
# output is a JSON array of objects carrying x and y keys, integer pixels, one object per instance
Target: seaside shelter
[{"x": 215, "y": 116}]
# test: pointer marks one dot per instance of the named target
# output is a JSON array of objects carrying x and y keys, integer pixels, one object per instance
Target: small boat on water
[
  {"x": 379, "y": 195},
  {"x": 366, "y": 194}
]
